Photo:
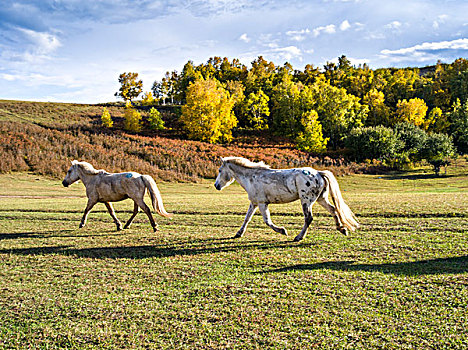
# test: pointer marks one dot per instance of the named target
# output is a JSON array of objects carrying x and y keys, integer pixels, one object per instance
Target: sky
[{"x": 74, "y": 50}]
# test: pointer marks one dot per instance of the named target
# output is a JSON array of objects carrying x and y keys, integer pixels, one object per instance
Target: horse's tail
[
  {"x": 156, "y": 198},
  {"x": 346, "y": 216}
]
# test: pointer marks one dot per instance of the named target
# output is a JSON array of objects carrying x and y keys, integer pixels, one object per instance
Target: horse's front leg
[
  {"x": 266, "y": 217},
  {"x": 112, "y": 214},
  {"x": 248, "y": 217},
  {"x": 89, "y": 206}
]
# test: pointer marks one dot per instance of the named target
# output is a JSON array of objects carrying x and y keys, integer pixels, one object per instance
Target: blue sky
[{"x": 74, "y": 50}]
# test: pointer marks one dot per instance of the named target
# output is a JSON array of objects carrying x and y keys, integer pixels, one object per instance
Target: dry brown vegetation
[{"x": 44, "y": 137}]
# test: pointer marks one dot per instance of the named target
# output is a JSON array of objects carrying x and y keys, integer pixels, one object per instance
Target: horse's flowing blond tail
[
  {"x": 346, "y": 216},
  {"x": 156, "y": 198}
]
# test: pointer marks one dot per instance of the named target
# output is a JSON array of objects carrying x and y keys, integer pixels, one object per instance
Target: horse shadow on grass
[
  {"x": 180, "y": 248},
  {"x": 442, "y": 266}
]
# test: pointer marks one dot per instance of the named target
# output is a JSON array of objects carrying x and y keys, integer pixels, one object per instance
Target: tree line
[{"x": 373, "y": 113}]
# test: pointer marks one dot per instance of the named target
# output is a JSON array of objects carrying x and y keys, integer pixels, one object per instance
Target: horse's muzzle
[
  {"x": 65, "y": 184},
  {"x": 217, "y": 186}
]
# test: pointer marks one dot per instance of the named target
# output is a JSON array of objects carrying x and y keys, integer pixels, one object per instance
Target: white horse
[
  {"x": 104, "y": 187},
  {"x": 265, "y": 186}
]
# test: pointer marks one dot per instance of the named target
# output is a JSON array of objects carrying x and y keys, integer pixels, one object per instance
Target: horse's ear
[{"x": 74, "y": 162}]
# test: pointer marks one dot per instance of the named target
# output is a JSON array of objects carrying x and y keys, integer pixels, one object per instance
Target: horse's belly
[
  {"x": 278, "y": 195},
  {"x": 113, "y": 198}
]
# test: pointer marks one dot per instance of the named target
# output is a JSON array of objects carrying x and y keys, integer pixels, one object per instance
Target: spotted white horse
[
  {"x": 104, "y": 187},
  {"x": 266, "y": 186}
]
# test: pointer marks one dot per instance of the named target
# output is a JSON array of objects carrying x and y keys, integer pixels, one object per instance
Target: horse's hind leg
[
  {"x": 141, "y": 203},
  {"x": 135, "y": 212},
  {"x": 324, "y": 202},
  {"x": 112, "y": 214},
  {"x": 248, "y": 217},
  {"x": 266, "y": 217}
]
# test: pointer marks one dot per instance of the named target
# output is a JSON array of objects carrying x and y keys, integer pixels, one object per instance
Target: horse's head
[
  {"x": 72, "y": 174},
  {"x": 225, "y": 177}
]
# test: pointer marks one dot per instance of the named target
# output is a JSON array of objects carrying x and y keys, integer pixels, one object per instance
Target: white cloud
[
  {"x": 425, "y": 51},
  {"x": 44, "y": 43},
  {"x": 287, "y": 53},
  {"x": 345, "y": 25},
  {"x": 441, "y": 45},
  {"x": 244, "y": 37},
  {"x": 393, "y": 25},
  {"x": 354, "y": 61},
  {"x": 298, "y": 35},
  {"x": 329, "y": 29},
  {"x": 441, "y": 19}
]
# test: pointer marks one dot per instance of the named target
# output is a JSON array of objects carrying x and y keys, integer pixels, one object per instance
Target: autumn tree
[
  {"x": 132, "y": 118},
  {"x": 338, "y": 111},
  {"x": 459, "y": 125},
  {"x": 311, "y": 138},
  {"x": 256, "y": 106},
  {"x": 166, "y": 87},
  {"x": 412, "y": 111},
  {"x": 378, "y": 112},
  {"x": 131, "y": 87},
  {"x": 207, "y": 114},
  {"x": 437, "y": 121},
  {"x": 106, "y": 118},
  {"x": 147, "y": 99},
  {"x": 286, "y": 108}
]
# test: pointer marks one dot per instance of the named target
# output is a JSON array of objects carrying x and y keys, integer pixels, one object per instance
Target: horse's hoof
[
  {"x": 119, "y": 228},
  {"x": 238, "y": 235},
  {"x": 344, "y": 231},
  {"x": 283, "y": 231},
  {"x": 297, "y": 239},
  {"x": 155, "y": 229}
]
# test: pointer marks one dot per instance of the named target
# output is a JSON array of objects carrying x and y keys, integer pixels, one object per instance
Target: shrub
[
  {"x": 155, "y": 120},
  {"x": 437, "y": 149},
  {"x": 375, "y": 142},
  {"x": 106, "y": 118},
  {"x": 132, "y": 119},
  {"x": 413, "y": 139}
]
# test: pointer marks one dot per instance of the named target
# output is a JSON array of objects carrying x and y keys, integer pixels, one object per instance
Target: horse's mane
[
  {"x": 245, "y": 163},
  {"x": 87, "y": 168}
]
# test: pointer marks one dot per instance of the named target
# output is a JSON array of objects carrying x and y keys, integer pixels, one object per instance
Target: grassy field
[{"x": 400, "y": 282}]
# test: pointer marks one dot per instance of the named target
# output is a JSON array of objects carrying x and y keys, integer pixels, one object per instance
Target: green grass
[{"x": 400, "y": 282}]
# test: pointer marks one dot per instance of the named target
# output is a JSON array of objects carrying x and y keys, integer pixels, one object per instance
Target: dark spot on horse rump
[
  {"x": 307, "y": 183},
  {"x": 302, "y": 190}
]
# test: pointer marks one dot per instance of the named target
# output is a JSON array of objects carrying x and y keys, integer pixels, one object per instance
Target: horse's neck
[
  {"x": 86, "y": 178},
  {"x": 242, "y": 175}
]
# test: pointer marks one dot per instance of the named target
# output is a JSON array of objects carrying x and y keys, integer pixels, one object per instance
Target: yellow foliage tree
[
  {"x": 207, "y": 114},
  {"x": 413, "y": 111},
  {"x": 106, "y": 118},
  {"x": 132, "y": 118},
  {"x": 378, "y": 111},
  {"x": 147, "y": 99},
  {"x": 311, "y": 138}
]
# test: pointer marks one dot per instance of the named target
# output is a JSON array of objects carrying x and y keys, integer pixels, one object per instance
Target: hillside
[{"x": 43, "y": 138}]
